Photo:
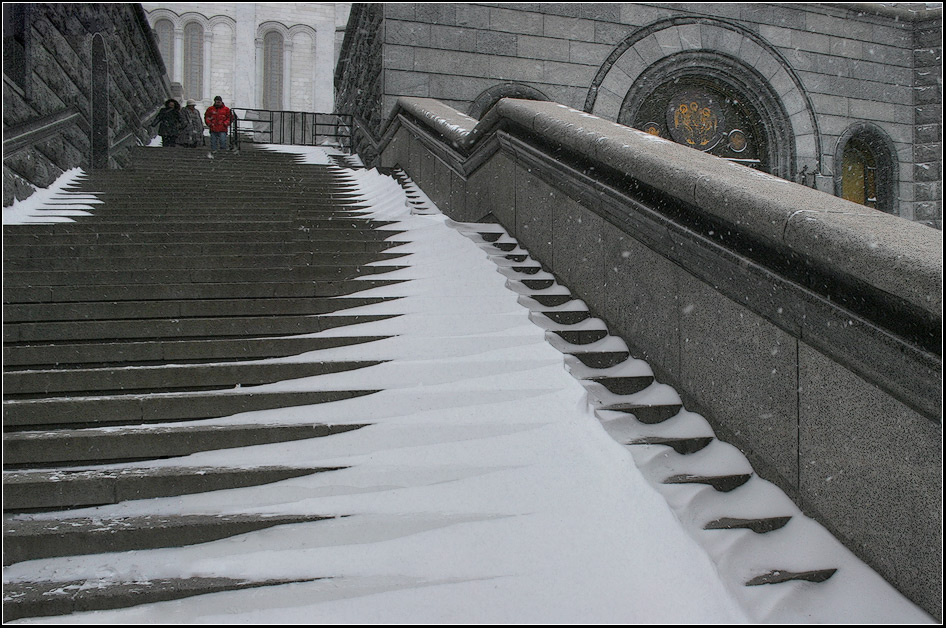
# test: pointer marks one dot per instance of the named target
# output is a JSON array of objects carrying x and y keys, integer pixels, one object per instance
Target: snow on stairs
[
  {"x": 672, "y": 446},
  {"x": 183, "y": 297}
]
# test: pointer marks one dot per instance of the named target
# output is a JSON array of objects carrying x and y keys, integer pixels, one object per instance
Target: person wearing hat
[
  {"x": 218, "y": 117},
  {"x": 192, "y": 135},
  {"x": 169, "y": 121}
]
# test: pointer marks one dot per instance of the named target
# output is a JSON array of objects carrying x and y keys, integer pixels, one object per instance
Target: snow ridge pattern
[{"x": 492, "y": 482}]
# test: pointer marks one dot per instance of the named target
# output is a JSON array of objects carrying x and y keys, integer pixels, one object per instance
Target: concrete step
[
  {"x": 179, "y": 291},
  {"x": 51, "y": 598},
  {"x": 108, "y": 276},
  {"x": 72, "y": 447},
  {"x": 759, "y": 526},
  {"x": 683, "y": 446},
  {"x": 602, "y": 359},
  {"x": 177, "y": 329},
  {"x": 647, "y": 414},
  {"x": 623, "y": 385},
  {"x": 80, "y": 412},
  {"x": 779, "y": 576},
  {"x": 567, "y": 317},
  {"x": 117, "y": 310},
  {"x": 123, "y": 224},
  {"x": 581, "y": 337},
  {"x": 142, "y": 239},
  {"x": 40, "y": 491},
  {"x": 161, "y": 262},
  {"x": 140, "y": 353},
  {"x": 45, "y": 538},
  {"x": 49, "y": 251},
  {"x": 32, "y": 384},
  {"x": 721, "y": 483}
]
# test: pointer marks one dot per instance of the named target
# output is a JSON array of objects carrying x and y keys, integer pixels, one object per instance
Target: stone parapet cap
[
  {"x": 891, "y": 254},
  {"x": 453, "y": 126}
]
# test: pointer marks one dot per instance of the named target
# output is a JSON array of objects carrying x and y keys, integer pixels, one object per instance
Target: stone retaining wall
[
  {"x": 829, "y": 70},
  {"x": 807, "y": 329},
  {"x": 57, "y": 75}
]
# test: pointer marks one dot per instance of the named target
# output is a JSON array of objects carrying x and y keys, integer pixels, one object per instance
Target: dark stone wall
[
  {"x": 56, "y": 75},
  {"x": 760, "y": 301},
  {"x": 928, "y": 132},
  {"x": 832, "y": 67},
  {"x": 358, "y": 77}
]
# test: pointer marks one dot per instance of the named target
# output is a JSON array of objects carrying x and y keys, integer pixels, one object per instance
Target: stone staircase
[
  {"x": 172, "y": 303},
  {"x": 649, "y": 418},
  {"x": 185, "y": 298}
]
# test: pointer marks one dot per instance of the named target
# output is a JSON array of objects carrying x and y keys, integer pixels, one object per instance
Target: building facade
[
  {"x": 846, "y": 98},
  {"x": 275, "y": 56}
]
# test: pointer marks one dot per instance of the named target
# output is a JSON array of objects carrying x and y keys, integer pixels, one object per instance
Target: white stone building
[{"x": 276, "y": 56}]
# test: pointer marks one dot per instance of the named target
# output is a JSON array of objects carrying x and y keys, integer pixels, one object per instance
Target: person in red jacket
[{"x": 218, "y": 117}]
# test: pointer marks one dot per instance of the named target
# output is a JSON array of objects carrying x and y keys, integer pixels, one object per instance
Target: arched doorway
[{"x": 866, "y": 170}]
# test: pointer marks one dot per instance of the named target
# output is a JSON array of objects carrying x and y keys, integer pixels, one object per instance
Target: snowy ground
[{"x": 486, "y": 489}]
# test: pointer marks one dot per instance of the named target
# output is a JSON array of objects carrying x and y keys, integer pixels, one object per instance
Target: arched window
[
  {"x": 859, "y": 174},
  {"x": 714, "y": 104},
  {"x": 866, "y": 168},
  {"x": 272, "y": 71},
  {"x": 165, "y": 33},
  {"x": 193, "y": 78},
  {"x": 708, "y": 116}
]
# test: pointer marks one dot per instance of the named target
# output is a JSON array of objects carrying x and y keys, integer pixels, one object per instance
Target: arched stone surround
[
  {"x": 888, "y": 166},
  {"x": 713, "y": 45}
]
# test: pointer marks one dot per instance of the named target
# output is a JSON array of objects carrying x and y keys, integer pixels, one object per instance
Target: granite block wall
[
  {"x": 58, "y": 76},
  {"x": 832, "y": 66},
  {"x": 800, "y": 385}
]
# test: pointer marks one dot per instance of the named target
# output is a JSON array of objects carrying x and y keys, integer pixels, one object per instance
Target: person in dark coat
[
  {"x": 169, "y": 121},
  {"x": 193, "y": 133}
]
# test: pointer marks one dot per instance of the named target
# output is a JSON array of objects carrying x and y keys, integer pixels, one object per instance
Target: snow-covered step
[
  {"x": 41, "y": 490},
  {"x": 69, "y": 354},
  {"x": 179, "y": 308},
  {"x": 115, "y": 410},
  {"x": 180, "y": 328},
  {"x": 164, "y": 378},
  {"x": 29, "y": 537},
  {"x": 67, "y": 447},
  {"x": 675, "y": 448},
  {"x": 178, "y": 290},
  {"x": 52, "y": 598}
]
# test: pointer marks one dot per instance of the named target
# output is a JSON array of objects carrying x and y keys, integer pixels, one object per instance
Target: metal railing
[{"x": 261, "y": 126}]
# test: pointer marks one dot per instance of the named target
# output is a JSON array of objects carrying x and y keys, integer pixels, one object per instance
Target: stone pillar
[
  {"x": 314, "y": 90},
  {"x": 258, "y": 73},
  {"x": 178, "y": 62},
  {"x": 287, "y": 75},
  {"x": 208, "y": 48},
  {"x": 324, "y": 99},
  {"x": 246, "y": 71}
]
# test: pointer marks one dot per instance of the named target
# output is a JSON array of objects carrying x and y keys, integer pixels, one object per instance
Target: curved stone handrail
[{"x": 895, "y": 256}]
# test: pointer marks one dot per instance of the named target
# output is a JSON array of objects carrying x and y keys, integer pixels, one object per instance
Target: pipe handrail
[{"x": 292, "y": 127}]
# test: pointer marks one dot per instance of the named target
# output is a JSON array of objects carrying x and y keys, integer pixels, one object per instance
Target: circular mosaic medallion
[
  {"x": 695, "y": 119},
  {"x": 737, "y": 141}
]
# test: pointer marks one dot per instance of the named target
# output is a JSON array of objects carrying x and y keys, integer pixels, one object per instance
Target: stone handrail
[
  {"x": 893, "y": 255},
  {"x": 24, "y": 135},
  {"x": 806, "y": 329}
]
